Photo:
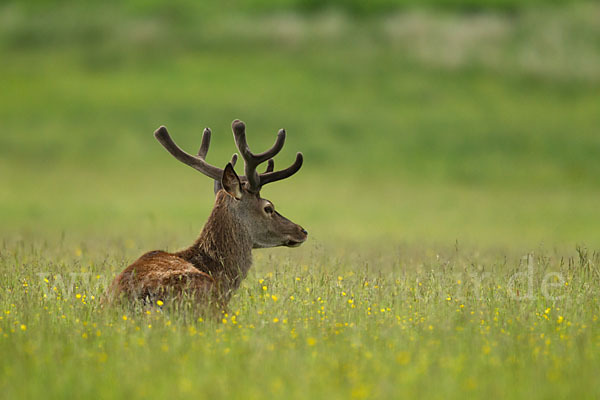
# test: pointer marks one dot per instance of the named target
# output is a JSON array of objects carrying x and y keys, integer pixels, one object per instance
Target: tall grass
[{"x": 308, "y": 324}]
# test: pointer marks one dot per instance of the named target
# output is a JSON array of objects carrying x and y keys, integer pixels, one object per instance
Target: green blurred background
[{"x": 422, "y": 122}]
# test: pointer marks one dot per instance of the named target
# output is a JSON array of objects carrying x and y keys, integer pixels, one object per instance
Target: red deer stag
[{"x": 214, "y": 266}]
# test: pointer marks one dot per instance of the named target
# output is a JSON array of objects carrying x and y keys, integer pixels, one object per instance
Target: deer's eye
[{"x": 269, "y": 210}]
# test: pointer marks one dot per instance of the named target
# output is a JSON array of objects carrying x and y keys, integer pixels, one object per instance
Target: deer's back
[{"x": 158, "y": 273}]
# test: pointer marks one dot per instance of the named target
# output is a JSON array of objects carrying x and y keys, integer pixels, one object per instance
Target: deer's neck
[{"x": 224, "y": 248}]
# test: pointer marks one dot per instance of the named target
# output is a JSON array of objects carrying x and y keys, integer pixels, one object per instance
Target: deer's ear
[{"x": 231, "y": 182}]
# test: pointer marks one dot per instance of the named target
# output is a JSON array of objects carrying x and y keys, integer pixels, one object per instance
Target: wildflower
[
  {"x": 274, "y": 297},
  {"x": 124, "y": 317},
  {"x": 560, "y": 319},
  {"x": 159, "y": 303},
  {"x": 23, "y": 327},
  {"x": 311, "y": 341},
  {"x": 275, "y": 320},
  {"x": 264, "y": 288}
]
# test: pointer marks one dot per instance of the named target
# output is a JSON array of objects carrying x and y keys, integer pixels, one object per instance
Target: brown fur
[{"x": 214, "y": 265}]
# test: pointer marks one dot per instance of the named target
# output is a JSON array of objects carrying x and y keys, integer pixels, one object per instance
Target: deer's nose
[{"x": 304, "y": 231}]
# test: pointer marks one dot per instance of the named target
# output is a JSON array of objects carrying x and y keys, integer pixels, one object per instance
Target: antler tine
[
  {"x": 251, "y": 161},
  {"x": 270, "y": 176},
  {"x": 234, "y": 158},
  {"x": 196, "y": 162},
  {"x": 205, "y": 143},
  {"x": 270, "y": 166}
]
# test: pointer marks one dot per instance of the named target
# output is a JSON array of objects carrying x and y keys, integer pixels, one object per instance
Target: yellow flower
[
  {"x": 264, "y": 288},
  {"x": 124, "y": 317},
  {"x": 311, "y": 341},
  {"x": 275, "y": 320},
  {"x": 274, "y": 297},
  {"x": 159, "y": 303},
  {"x": 560, "y": 319},
  {"x": 23, "y": 327}
]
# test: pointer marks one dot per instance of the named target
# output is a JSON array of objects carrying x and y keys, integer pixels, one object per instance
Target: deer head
[{"x": 265, "y": 226}]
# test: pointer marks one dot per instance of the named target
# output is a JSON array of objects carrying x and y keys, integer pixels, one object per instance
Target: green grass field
[{"x": 451, "y": 188}]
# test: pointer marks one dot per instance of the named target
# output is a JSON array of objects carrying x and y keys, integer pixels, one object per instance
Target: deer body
[{"x": 213, "y": 267}]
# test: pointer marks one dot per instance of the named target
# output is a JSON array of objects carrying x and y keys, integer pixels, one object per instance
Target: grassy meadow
[{"x": 450, "y": 189}]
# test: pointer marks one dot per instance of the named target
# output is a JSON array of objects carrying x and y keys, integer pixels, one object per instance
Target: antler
[
  {"x": 197, "y": 162},
  {"x": 252, "y": 161}
]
